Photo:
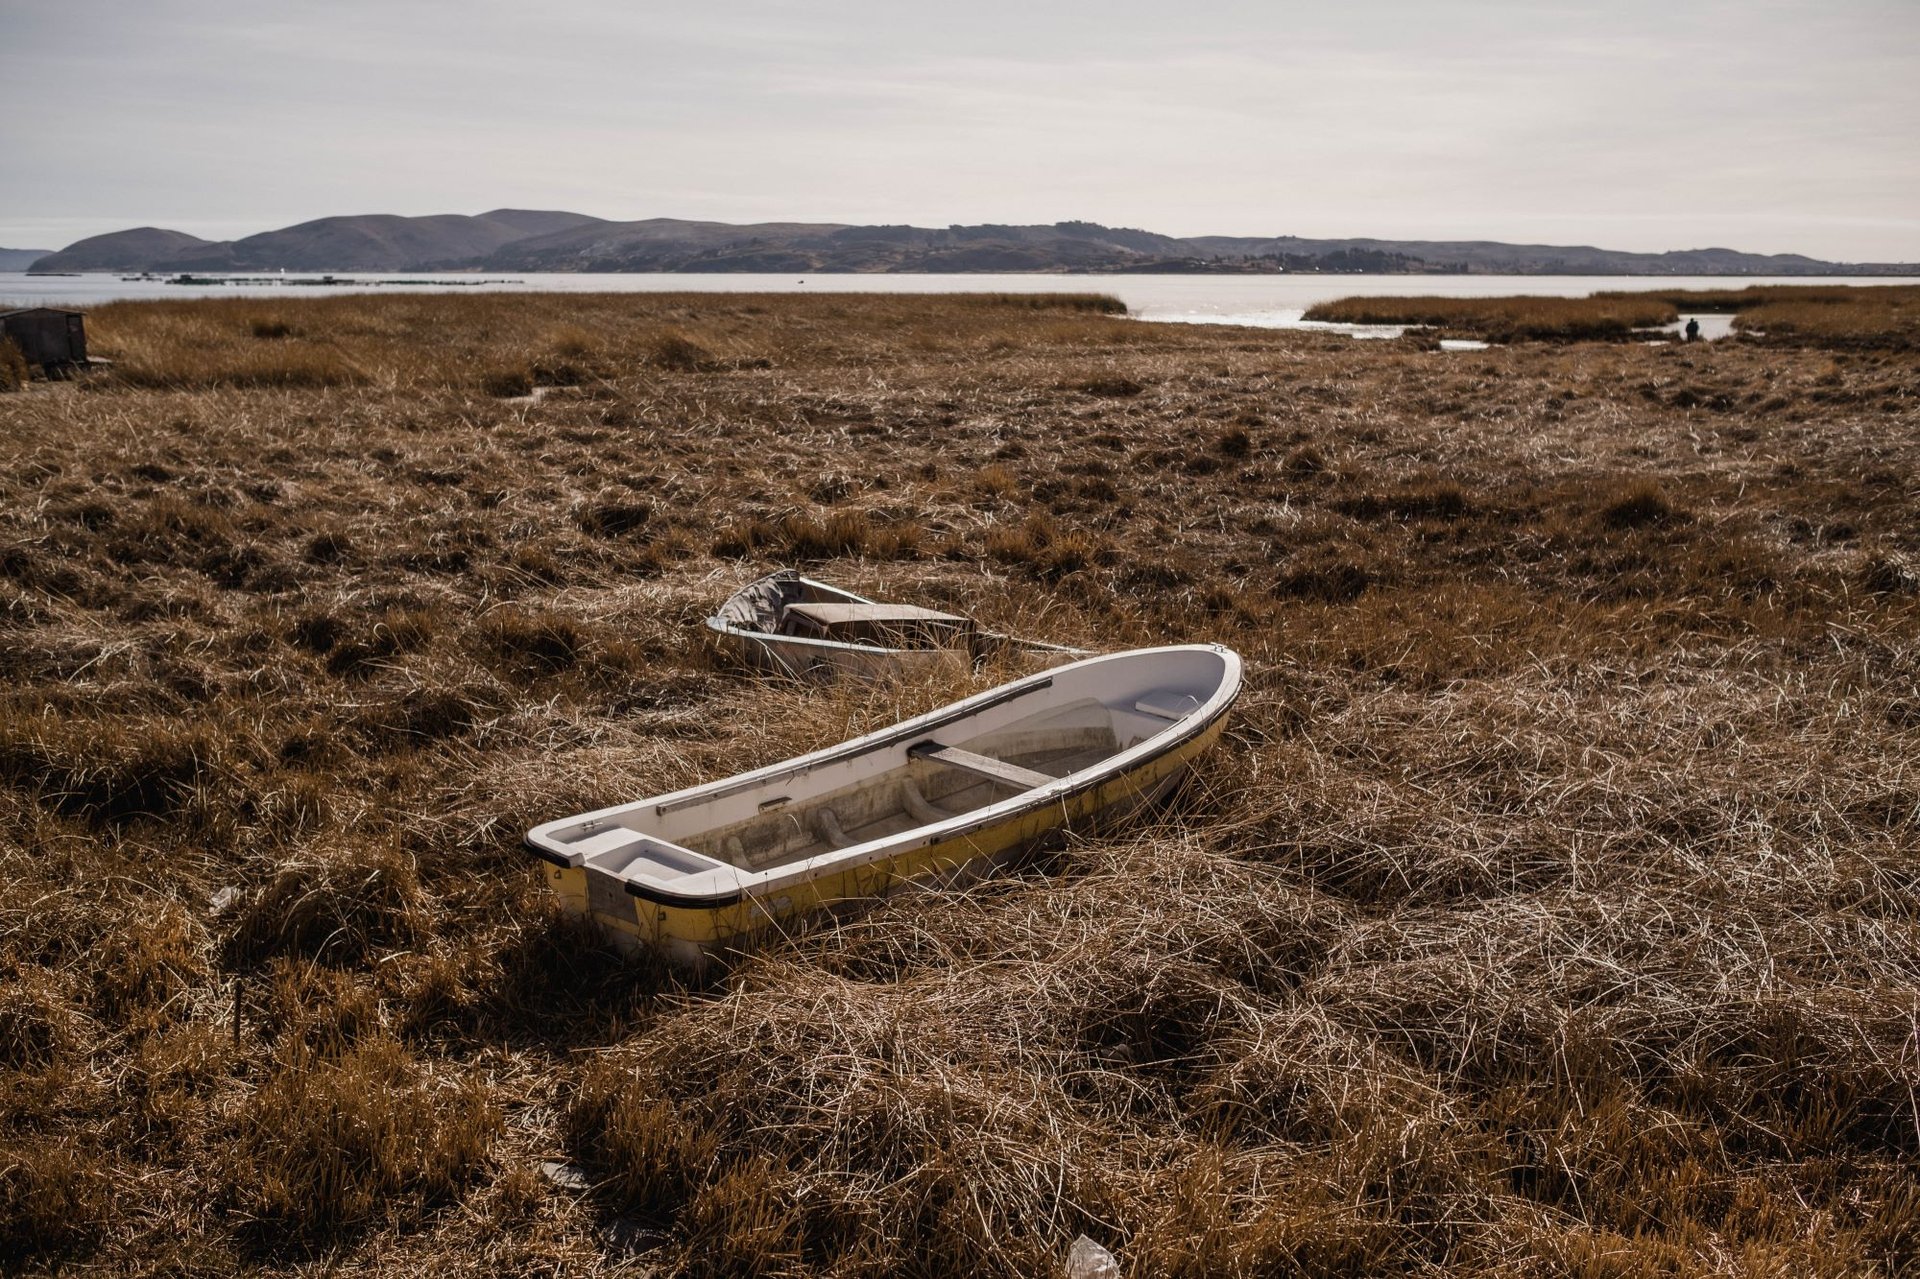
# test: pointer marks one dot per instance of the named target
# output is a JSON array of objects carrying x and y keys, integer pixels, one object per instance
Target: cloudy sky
[{"x": 1767, "y": 125}]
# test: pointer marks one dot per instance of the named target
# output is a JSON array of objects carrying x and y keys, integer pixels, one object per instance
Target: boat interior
[
  {"x": 788, "y": 604},
  {"x": 931, "y": 783},
  {"x": 762, "y": 606}
]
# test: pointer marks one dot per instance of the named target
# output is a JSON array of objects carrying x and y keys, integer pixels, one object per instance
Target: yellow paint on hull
[{"x": 694, "y": 934}]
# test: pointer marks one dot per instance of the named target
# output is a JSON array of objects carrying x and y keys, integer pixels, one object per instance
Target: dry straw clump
[
  {"x": 334, "y": 906},
  {"x": 329, "y": 1145},
  {"x": 1549, "y": 908},
  {"x": 14, "y": 369}
]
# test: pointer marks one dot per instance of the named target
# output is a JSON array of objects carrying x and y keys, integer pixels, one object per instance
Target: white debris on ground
[{"x": 1088, "y": 1260}]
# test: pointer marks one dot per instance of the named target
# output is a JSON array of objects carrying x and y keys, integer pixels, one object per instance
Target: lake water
[{"x": 1261, "y": 301}]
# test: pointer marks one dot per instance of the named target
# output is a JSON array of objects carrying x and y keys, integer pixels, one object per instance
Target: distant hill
[
  {"x": 1470, "y": 256},
  {"x": 372, "y": 242},
  {"x": 534, "y": 240},
  {"x": 665, "y": 244},
  {"x": 20, "y": 259},
  {"x": 120, "y": 251},
  {"x": 378, "y": 242}
]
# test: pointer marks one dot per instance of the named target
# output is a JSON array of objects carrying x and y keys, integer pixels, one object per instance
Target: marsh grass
[
  {"x": 1090, "y": 303},
  {"x": 1638, "y": 504},
  {"x": 1871, "y": 318},
  {"x": 507, "y": 383},
  {"x": 1549, "y": 908},
  {"x": 13, "y": 366},
  {"x": 1732, "y": 301},
  {"x": 331, "y": 1145},
  {"x": 1841, "y": 316},
  {"x": 1510, "y": 319}
]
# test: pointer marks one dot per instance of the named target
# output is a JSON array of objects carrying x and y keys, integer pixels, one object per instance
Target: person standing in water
[{"x": 1693, "y": 329}]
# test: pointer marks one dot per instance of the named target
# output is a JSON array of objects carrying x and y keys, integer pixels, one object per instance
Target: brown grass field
[{"x": 1551, "y": 908}]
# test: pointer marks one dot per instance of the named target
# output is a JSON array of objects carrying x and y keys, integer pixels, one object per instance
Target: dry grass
[
  {"x": 1847, "y": 317},
  {"x": 1550, "y": 910},
  {"x": 1730, "y": 301},
  {"x": 1087, "y": 303},
  {"x": 13, "y": 366},
  {"x": 1511, "y": 319},
  {"x": 1888, "y": 318},
  {"x": 1841, "y": 316}
]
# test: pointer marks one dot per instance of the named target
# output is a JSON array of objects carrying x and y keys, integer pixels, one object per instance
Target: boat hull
[
  {"x": 938, "y": 797},
  {"x": 695, "y": 934}
]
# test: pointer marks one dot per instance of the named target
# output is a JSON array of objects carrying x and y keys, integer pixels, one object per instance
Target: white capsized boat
[
  {"x": 795, "y": 625},
  {"x": 705, "y": 869}
]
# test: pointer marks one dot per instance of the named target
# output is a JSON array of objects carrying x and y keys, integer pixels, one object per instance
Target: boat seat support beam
[
  {"x": 918, "y": 808},
  {"x": 980, "y": 765},
  {"x": 830, "y": 828}
]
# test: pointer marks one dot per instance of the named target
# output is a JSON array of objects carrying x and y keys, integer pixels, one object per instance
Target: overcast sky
[{"x": 1767, "y": 125}]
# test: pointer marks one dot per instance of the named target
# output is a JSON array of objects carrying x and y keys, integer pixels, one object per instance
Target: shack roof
[{"x": 29, "y": 310}]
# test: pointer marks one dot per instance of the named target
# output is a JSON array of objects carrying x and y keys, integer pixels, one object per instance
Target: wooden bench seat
[
  {"x": 980, "y": 765},
  {"x": 894, "y": 625}
]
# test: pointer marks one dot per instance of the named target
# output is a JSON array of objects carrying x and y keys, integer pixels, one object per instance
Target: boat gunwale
[
  {"x": 747, "y": 882},
  {"x": 720, "y": 626}
]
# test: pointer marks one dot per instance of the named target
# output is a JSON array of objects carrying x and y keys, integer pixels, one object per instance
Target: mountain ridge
[
  {"x": 20, "y": 259},
  {"x": 560, "y": 241}
]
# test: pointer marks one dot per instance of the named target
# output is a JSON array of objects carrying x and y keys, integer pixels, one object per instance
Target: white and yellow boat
[{"x": 708, "y": 868}]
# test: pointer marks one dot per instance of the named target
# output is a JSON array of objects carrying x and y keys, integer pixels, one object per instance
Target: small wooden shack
[{"x": 51, "y": 338}]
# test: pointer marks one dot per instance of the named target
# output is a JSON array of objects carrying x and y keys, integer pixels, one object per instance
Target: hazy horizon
[
  {"x": 242, "y": 233},
  {"x": 1780, "y": 127}
]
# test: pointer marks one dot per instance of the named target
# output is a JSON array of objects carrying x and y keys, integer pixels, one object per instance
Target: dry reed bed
[
  {"x": 1508, "y": 319},
  {"x": 1844, "y": 317},
  {"x": 1550, "y": 910}
]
